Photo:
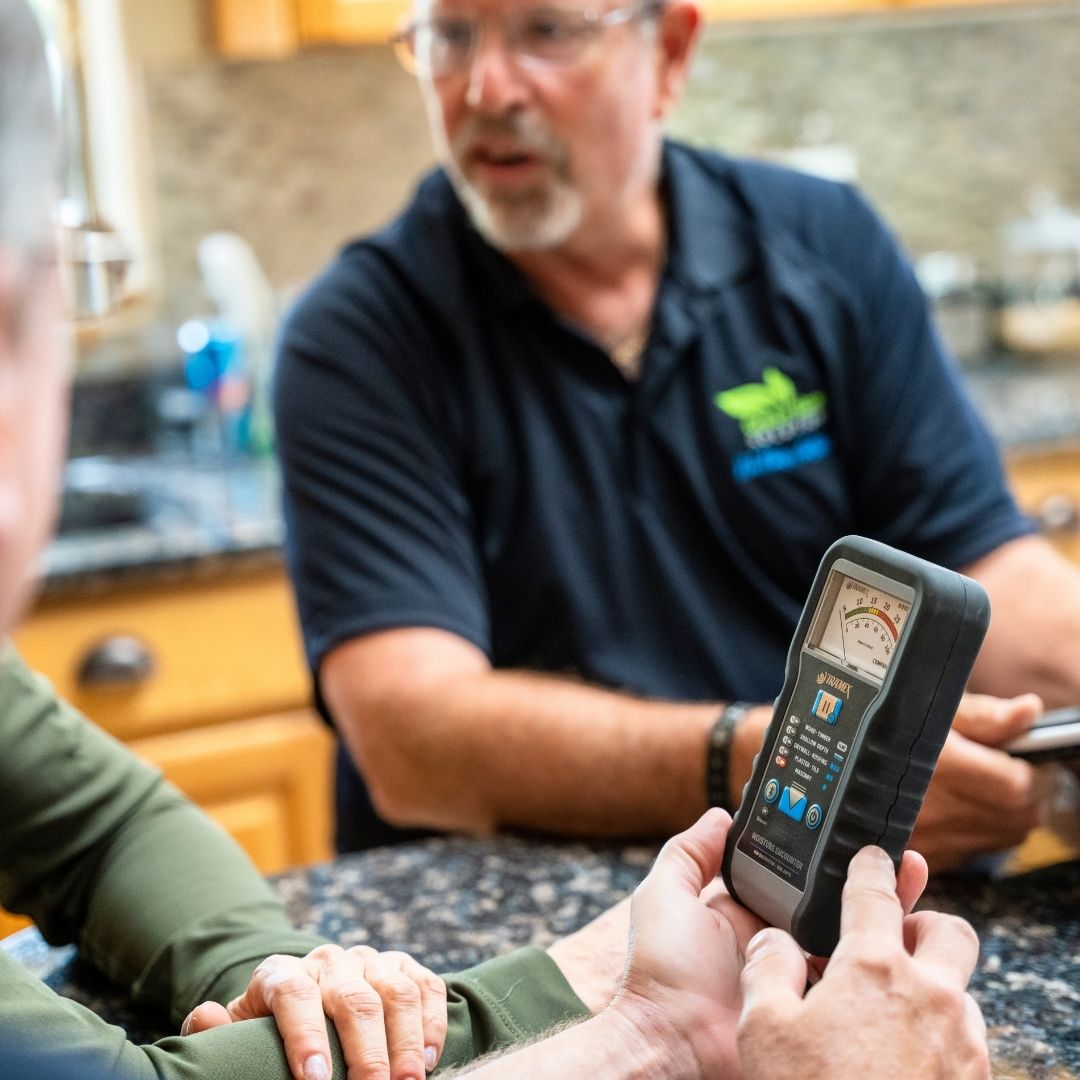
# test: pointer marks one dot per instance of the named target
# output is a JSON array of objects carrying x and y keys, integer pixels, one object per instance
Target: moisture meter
[{"x": 876, "y": 669}]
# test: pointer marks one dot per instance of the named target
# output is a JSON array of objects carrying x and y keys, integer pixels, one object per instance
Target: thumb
[
  {"x": 993, "y": 720},
  {"x": 691, "y": 859},
  {"x": 775, "y": 971},
  {"x": 204, "y": 1017}
]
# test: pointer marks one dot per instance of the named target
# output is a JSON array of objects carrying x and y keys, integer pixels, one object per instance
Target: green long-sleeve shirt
[{"x": 97, "y": 849}]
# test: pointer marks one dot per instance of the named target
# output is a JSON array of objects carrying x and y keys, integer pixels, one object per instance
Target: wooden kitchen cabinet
[
  {"x": 1047, "y": 486},
  {"x": 223, "y": 711},
  {"x": 251, "y": 28}
]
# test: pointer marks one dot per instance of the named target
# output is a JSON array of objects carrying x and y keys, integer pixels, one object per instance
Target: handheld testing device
[{"x": 876, "y": 669}]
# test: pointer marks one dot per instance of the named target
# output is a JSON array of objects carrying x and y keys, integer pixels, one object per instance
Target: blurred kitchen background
[
  {"x": 235, "y": 144},
  {"x": 953, "y": 120}
]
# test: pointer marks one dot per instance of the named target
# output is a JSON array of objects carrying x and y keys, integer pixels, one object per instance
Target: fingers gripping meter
[{"x": 876, "y": 669}]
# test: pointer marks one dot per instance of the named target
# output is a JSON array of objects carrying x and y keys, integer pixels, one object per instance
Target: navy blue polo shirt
[{"x": 457, "y": 455}]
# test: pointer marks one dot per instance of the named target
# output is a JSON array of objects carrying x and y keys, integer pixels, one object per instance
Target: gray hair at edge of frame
[{"x": 28, "y": 131}]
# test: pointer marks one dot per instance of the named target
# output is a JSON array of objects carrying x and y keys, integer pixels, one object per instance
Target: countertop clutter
[{"x": 452, "y": 902}]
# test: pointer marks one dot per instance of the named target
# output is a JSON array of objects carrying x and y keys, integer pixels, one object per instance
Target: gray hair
[{"x": 28, "y": 130}]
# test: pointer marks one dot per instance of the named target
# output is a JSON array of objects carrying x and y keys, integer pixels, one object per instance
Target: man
[
  {"x": 98, "y": 850},
  {"x": 564, "y": 445}
]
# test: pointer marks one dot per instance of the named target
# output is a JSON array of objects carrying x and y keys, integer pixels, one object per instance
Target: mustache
[{"x": 526, "y": 131}]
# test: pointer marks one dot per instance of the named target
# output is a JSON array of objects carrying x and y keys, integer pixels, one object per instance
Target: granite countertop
[
  {"x": 183, "y": 515},
  {"x": 452, "y": 902}
]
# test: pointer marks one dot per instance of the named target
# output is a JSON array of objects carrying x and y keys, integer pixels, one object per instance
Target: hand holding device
[
  {"x": 876, "y": 669},
  {"x": 926, "y": 1025},
  {"x": 1055, "y": 736}
]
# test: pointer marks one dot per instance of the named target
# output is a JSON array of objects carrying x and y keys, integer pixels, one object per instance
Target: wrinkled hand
[
  {"x": 890, "y": 1004},
  {"x": 389, "y": 1011},
  {"x": 681, "y": 980},
  {"x": 980, "y": 799}
]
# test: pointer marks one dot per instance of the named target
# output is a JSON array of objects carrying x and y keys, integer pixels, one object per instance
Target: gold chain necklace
[{"x": 626, "y": 354}]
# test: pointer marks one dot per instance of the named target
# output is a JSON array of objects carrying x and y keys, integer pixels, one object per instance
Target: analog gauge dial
[{"x": 863, "y": 627}]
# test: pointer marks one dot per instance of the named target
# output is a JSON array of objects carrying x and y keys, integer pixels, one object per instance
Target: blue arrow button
[{"x": 793, "y": 802}]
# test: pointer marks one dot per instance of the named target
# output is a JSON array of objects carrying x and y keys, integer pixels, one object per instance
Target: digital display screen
[{"x": 859, "y": 625}]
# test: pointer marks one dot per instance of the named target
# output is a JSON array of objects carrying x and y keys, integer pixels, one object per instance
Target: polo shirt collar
[
  {"x": 710, "y": 238},
  {"x": 708, "y": 245}
]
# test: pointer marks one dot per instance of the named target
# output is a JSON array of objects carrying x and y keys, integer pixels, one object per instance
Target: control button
[
  {"x": 813, "y": 816},
  {"x": 793, "y": 802},
  {"x": 772, "y": 789},
  {"x": 827, "y": 707}
]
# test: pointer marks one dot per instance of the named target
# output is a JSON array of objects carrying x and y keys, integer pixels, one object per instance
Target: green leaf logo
[
  {"x": 752, "y": 399},
  {"x": 772, "y": 409}
]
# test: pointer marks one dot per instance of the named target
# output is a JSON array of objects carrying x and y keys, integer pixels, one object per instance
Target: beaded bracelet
[{"x": 718, "y": 754}]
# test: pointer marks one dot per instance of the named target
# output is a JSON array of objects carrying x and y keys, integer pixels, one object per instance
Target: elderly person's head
[
  {"x": 33, "y": 360},
  {"x": 547, "y": 113}
]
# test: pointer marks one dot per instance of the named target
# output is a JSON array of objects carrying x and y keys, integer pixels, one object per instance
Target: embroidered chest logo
[{"x": 780, "y": 426}]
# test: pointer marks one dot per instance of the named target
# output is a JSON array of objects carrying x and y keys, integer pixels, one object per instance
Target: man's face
[
  {"x": 537, "y": 151},
  {"x": 34, "y": 378}
]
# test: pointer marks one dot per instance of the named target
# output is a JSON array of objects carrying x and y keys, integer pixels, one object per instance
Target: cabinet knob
[
  {"x": 1058, "y": 515},
  {"x": 117, "y": 661}
]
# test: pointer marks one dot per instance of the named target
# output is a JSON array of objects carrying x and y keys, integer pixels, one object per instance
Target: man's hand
[
  {"x": 389, "y": 1011},
  {"x": 981, "y": 799},
  {"x": 687, "y": 943},
  {"x": 681, "y": 981},
  {"x": 891, "y": 1002}
]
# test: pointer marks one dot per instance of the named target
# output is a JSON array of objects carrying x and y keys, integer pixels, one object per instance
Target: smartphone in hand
[{"x": 1055, "y": 736}]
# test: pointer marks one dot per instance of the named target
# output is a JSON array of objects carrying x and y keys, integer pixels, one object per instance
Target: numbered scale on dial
[{"x": 863, "y": 625}]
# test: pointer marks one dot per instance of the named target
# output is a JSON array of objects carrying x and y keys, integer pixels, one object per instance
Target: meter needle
[{"x": 843, "y": 643}]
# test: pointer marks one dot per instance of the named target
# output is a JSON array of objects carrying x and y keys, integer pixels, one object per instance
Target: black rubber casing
[{"x": 901, "y": 734}]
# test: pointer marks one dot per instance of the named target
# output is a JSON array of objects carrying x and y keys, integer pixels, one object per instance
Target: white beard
[
  {"x": 533, "y": 220},
  {"x": 533, "y": 224}
]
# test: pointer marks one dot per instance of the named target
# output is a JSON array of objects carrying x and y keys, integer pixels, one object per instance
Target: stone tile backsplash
[{"x": 952, "y": 117}]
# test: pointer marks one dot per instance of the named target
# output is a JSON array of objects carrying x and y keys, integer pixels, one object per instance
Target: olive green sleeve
[
  {"x": 506, "y": 1000},
  {"x": 98, "y": 850},
  {"x": 44, "y": 1037}
]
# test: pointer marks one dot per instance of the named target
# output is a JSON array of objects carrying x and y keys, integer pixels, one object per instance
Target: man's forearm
[
  {"x": 483, "y": 749},
  {"x": 610, "y": 1045},
  {"x": 514, "y": 749}
]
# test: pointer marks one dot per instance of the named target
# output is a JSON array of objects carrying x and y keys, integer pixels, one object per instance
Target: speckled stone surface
[{"x": 453, "y": 902}]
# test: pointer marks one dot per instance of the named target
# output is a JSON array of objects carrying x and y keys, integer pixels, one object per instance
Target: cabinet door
[
  {"x": 255, "y": 28},
  {"x": 351, "y": 20},
  {"x": 265, "y": 781},
  {"x": 219, "y": 648},
  {"x": 250, "y": 28},
  {"x": 753, "y": 10},
  {"x": 1047, "y": 486}
]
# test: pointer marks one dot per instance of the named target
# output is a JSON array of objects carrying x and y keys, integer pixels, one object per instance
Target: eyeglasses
[{"x": 537, "y": 37}]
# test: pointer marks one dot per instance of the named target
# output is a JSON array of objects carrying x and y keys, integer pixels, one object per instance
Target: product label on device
[{"x": 805, "y": 765}]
